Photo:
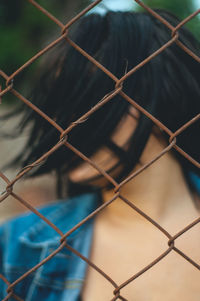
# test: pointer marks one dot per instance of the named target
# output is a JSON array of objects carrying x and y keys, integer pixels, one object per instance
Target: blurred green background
[{"x": 24, "y": 30}]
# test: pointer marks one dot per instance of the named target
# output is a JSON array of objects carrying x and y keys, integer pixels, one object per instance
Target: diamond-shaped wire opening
[{"x": 17, "y": 197}]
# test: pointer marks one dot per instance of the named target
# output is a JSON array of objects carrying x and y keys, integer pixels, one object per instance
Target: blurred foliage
[
  {"x": 181, "y": 9},
  {"x": 21, "y": 30},
  {"x": 24, "y": 31}
]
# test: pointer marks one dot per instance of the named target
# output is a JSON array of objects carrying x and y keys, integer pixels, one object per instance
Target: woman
[{"x": 120, "y": 139}]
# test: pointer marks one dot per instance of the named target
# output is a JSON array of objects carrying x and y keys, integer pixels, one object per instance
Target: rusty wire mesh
[{"x": 9, "y": 79}]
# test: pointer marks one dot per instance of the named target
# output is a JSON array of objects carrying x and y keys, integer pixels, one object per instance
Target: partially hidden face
[{"x": 105, "y": 158}]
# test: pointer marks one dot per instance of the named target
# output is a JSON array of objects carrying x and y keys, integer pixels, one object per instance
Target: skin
[{"x": 124, "y": 242}]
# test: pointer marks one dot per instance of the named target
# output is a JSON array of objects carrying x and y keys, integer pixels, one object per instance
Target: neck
[{"x": 158, "y": 189}]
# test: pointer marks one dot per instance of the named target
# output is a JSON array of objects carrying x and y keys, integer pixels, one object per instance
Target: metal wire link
[{"x": 63, "y": 141}]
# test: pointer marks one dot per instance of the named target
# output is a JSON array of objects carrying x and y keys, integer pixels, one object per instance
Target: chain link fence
[{"x": 63, "y": 141}]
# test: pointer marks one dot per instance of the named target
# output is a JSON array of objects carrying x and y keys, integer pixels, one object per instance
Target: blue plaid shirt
[{"x": 27, "y": 240}]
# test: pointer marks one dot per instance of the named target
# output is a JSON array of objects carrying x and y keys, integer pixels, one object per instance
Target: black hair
[{"x": 168, "y": 87}]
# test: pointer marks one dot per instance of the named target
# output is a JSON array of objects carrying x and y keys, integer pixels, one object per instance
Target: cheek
[{"x": 125, "y": 130}]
